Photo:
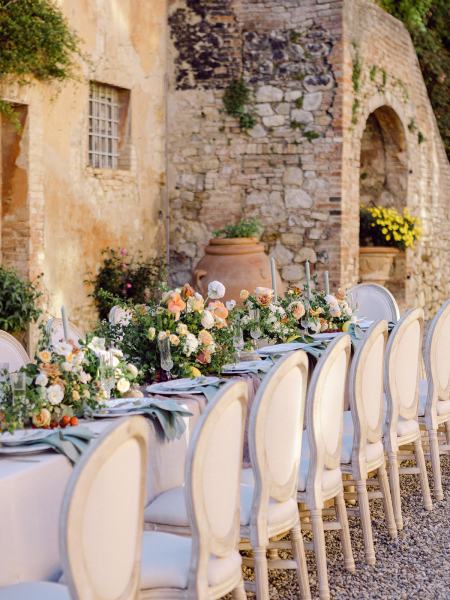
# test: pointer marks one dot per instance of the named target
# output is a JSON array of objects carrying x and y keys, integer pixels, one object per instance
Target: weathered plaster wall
[
  {"x": 390, "y": 76},
  {"x": 76, "y": 211}
]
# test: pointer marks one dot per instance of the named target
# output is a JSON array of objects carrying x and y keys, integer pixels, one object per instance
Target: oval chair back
[
  {"x": 54, "y": 328},
  {"x": 275, "y": 433},
  {"x": 12, "y": 352},
  {"x": 325, "y": 411},
  {"x": 366, "y": 391},
  {"x": 437, "y": 358},
  {"x": 213, "y": 468},
  {"x": 375, "y": 302},
  {"x": 402, "y": 369},
  {"x": 103, "y": 514}
]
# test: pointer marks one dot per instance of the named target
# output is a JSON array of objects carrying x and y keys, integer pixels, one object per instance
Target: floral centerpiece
[
  {"x": 199, "y": 337},
  {"x": 61, "y": 384},
  {"x": 326, "y": 313}
]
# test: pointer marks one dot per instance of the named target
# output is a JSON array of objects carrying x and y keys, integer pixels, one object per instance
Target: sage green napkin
[
  {"x": 71, "y": 442},
  {"x": 167, "y": 416}
]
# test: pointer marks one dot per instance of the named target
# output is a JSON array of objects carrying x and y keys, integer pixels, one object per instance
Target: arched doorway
[{"x": 383, "y": 179}]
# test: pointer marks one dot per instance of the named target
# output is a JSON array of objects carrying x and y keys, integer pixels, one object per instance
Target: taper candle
[
  {"x": 64, "y": 323},
  {"x": 273, "y": 273},
  {"x": 308, "y": 279},
  {"x": 326, "y": 280}
]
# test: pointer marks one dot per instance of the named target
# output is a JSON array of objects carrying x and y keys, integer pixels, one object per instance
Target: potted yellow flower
[{"x": 383, "y": 234}]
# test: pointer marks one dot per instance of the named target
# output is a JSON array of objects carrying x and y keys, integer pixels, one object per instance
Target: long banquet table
[{"x": 31, "y": 492}]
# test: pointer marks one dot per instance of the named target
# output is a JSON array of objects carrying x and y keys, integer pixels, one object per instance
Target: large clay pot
[
  {"x": 375, "y": 263},
  {"x": 239, "y": 263}
]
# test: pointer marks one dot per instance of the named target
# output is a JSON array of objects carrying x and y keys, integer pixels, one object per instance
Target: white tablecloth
[{"x": 31, "y": 492}]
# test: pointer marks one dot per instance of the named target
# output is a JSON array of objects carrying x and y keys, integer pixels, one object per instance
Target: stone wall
[
  {"x": 298, "y": 168},
  {"x": 69, "y": 211},
  {"x": 285, "y": 170}
]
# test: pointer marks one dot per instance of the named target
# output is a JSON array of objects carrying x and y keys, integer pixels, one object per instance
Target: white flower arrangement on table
[
  {"x": 61, "y": 383},
  {"x": 325, "y": 313}
]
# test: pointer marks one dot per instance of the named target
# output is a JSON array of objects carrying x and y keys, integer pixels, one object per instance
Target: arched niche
[{"x": 383, "y": 175}]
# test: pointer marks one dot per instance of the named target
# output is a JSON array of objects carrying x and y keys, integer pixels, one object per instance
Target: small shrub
[
  {"x": 18, "y": 299},
  {"x": 245, "y": 228},
  {"x": 381, "y": 226}
]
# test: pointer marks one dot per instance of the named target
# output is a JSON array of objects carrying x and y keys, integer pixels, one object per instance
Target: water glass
[
  {"x": 352, "y": 301},
  {"x": 165, "y": 355},
  {"x": 255, "y": 331},
  {"x": 18, "y": 386},
  {"x": 107, "y": 375},
  {"x": 238, "y": 339}
]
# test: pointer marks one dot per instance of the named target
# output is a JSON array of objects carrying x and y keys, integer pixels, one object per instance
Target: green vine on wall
[
  {"x": 236, "y": 100},
  {"x": 37, "y": 43}
]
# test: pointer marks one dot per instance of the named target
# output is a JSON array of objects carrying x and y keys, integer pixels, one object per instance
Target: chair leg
[
  {"x": 239, "y": 592},
  {"x": 341, "y": 511},
  {"x": 420, "y": 460},
  {"x": 298, "y": 550},
  {"x": 436, "y": 464},
  {"x": 320, "y": 553},
  {"x": 261, "y": 573},
  {"x": 394, "y": 480},
  {"x": 387, "y": 502},
  {"x": 366, "y": 522},
  {"x": 447, "y": 431}
]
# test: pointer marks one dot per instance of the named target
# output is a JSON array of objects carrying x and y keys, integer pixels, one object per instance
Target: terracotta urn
[
  {"x": 375, "y": 263},
  {"x": 239, "y": 263}
]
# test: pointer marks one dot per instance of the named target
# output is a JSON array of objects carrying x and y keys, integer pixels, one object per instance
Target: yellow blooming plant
[{"x": 382, "y": 226}]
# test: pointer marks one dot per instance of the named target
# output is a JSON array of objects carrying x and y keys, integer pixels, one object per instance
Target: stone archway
[{"x": 383, "y": 175}]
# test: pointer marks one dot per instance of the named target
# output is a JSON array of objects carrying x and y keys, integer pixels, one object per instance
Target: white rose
[
  {"x": 97, "y": 345},
  {"x": 190, "y": 344},
  {"x": 41, "y": 379},
  {"x": 85, "y": 377},
  {"x": 330, "y": 299},
  {"x": 123, "y": 385},
  {"x": 162, "y": 335},
  {"x": 115, "y": 362},
  {"x": 78, "y": 358},
  {"x": 230, "y": 304},
  {"x": 182, "y": 329},
  {"x": 132, "y": 370},
  {"x": 63, "y": 348},
  {"x": 66, "y": 366},
  {"x": 335, "y": 311},
  {"x": 207, "y": 319},
  {"x": 55, "y": 394},
  {"x": 117, "y": 352},
  {"x": 151, "y": 333},
  {"x": 216, "y": 290}
]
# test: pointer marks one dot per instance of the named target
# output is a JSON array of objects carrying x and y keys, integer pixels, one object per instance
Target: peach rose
[
  {"x": 204, "y": 357},
  {"x": 45, "y": 356},
  {"x": 244, "y": 294},
  {"x": 187, "y": 291},
  {"x": 264, "y": 296},
  {"x": 297, "y": 310},
  {"x": 176, "y": 305},
  {"x": 205, "y": 338},
  {"x": 340, "y": 294},
  {"x": 218, "y": 309},
  {"x": 316, "y": 312},
  {"x": 42, "y": 418}
]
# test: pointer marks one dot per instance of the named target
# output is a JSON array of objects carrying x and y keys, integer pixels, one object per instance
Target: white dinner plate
[
  {"x": 281, "y": 348},
  {"x": 245, "y": 366},
  {"x": 364, "y": 323},
  {"x": 185, "y": 385},
  {"x": 106, "y": 414},
  {"x": 123, "y": 404},
  {"x": 22, "y": 435},
  {"x": 20, "y": 450}
]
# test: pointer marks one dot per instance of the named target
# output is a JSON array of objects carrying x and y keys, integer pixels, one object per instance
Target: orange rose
[
  {"x": 187, "y": 291},
  {"x": 264, "y": 296},
  {"x": 42, "y": 418},
  {"x": 317, "y": 312},
  {"x": 218, "y": 309},
  {"x": 176, "y": 305}
]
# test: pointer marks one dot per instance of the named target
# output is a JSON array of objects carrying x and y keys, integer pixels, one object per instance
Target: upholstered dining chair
[
  {"x": 320, "y": 475},
  {"x": 401, "y": 378},
  {"x": 362, "y": 448},
  {"x": 54, "y": 328},
  {"x": 208, "y": 564},
  {"x": 12, "y": 352},
  {"x": 101, "y": 521},
  {"x": 375, "y": 302},
  {"x": 434, "y": 391},
  {"x": 268, "y": 494}
]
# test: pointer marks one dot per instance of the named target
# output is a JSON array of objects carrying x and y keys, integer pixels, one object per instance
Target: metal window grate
[{"x": 104, "y": 114}]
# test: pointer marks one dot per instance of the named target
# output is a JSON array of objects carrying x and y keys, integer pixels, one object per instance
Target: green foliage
[
  {"x": 428, "y": 23},
  {"x": 356, "y": 74},
  {"x": 299, "y": 102},
  {"x": 373, "y": 72},
  {"x": 133, "y": 279},
  {"x": 244, "y": 228},
  {"x": 355, "y": 108},
  {"x": 17, "y": 301},
  {"x": 36, "y": 43},
  {"x": 311, "y": 135},
  {"x": 235, "y": 100},
  {"x": 296, "y": 124}
]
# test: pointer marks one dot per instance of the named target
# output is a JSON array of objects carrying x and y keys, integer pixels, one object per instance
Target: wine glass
[
  {"x": 352, "y": 301},
  {"x": 165, "y": 355},
  {"x": 18, "y": 385},
  {"x": 255, "y": 331},
  {"x": 238, "y": 339},
  {"x": 107, "y": 376}
]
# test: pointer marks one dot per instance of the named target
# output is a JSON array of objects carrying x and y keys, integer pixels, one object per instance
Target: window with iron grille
[{"x": 108, "y": 127}]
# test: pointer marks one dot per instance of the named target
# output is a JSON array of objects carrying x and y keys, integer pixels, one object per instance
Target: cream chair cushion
[
  {"x": 442, "y": 406},
  {"x": 407, "y": 426},
  {"x": 35, "y": 591},
  {"x": 278, "y": 512},
  {"x": 330, "y": 479},
  {"x": 166, "y": 559},
  {"x": 373, "y": 451}
]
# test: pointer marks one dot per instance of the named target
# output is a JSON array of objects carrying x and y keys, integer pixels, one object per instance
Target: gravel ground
[{"x": 415, "y": 566}]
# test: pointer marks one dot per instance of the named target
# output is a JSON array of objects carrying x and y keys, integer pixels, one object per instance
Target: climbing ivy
[
  {"x": 236, "y": 99},
  {"x": 36, "y": 43},
  {"x": 427, "y": 21}
]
